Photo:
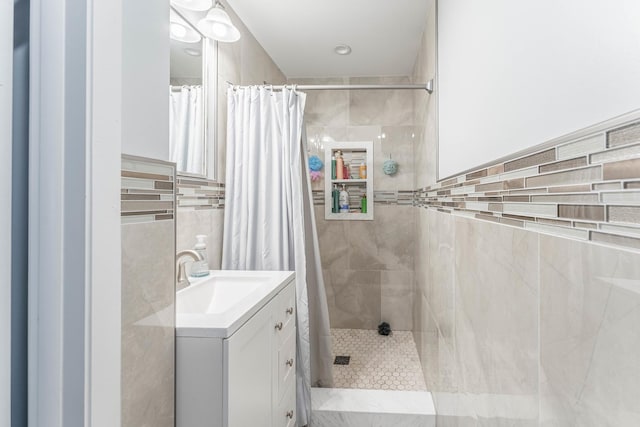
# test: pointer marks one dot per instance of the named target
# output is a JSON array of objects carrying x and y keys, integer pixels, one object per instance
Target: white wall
[
  {"x": 6, "y": 63},
  {"x": 513, "y": 74},
  {"x": 145, "y": 78}
]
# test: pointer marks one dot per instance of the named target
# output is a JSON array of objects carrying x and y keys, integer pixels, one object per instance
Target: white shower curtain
[
  {"x": 264, "y": 221},
  {"x": 186, "y": 141}
]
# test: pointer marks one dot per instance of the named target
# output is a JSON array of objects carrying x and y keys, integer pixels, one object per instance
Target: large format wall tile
[
  {"x": 205, "y": 221},
  {"x": 496, "y": 331},
  {"x": 589, "y": 336},
  {"x": 396, "y": 288},
  {"x": 396, "y": 142},
  {"x": 388, "y": 245},
  {"x": 148, "y": 292},
  {"x": 327, "y": 108},
  {"x": 148, "y": 320},
  {"x": 368, "y": 268},
  {"x": 355, "y": 299},
  {"x": 381, "y": 107},
  {"x": 441, "y": 277},
  {"x": 333, "y": 241}
]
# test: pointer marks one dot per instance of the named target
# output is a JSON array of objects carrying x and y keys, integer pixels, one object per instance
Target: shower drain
[{"x": 342, "y": 360}]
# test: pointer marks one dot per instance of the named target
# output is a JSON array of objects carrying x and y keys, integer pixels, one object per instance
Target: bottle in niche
[
  {"x": 363, "y": 170},
  {"x": 333, "y": 167},
  {"x": 363, "y": 204},
  {"x": 335, "y": 199},
  {"x": 346, "y": 173},
  {"x": 200, "y": 268},
  {"x": 339, "y": 165},
  {"x": 344, "y": 200}
]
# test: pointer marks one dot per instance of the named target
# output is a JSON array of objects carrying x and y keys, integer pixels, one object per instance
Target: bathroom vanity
[{"x": 236, "y": 350}]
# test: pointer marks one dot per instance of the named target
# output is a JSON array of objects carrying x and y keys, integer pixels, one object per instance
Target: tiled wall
[
  {"x": 200, "y": 211},
  {"x": 148, "y": 292},
  {"x": 521, "y": 328},
  {"x": 527, "y": 279},
  {"x": 367, "y": 265},
  {"x": 368, "y": 268}
]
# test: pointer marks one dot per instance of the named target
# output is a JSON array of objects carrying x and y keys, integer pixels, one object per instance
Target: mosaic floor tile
[{"x": 377, "y": 362}]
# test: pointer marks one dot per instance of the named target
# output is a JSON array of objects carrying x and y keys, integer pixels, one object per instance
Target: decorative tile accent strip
[
  {"x": 584, "y": 189},
  {"x": 624, "y": 135},
  {"x": 400, "y": 197},
  {"x": 199, "y": 193},
  {"x": 147, "y": 190}
]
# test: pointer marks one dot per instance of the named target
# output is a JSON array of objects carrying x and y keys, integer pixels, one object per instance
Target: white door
[{"x": 6, "y": 65}]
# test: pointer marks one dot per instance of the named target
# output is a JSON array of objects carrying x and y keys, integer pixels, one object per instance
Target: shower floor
[{"x": 377, "y": 362}]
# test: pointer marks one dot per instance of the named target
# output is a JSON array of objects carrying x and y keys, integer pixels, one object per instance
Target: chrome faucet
[{"x": 182, "y": 278}]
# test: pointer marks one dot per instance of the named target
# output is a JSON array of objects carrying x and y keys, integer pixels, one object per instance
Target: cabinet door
[
  {"x": 285, "y": 414},
  {"x": 248, "y": 357}
]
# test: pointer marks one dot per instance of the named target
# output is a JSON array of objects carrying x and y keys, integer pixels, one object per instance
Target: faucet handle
[{"x": 182, "y": 274}]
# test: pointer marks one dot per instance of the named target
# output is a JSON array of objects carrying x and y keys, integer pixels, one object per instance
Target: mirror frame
[{"x": 210, "y": 104}]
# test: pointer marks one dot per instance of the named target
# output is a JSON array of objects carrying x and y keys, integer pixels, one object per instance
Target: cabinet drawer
[
  {"x": 285, "y": 312},
  {"x": 285, "y": 414},
  {"x": 286, "y": 365}
]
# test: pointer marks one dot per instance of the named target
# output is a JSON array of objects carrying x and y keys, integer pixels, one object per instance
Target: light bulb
[
  {"x": 178, "y": 30},
  {"x": 219, "y": 30}
]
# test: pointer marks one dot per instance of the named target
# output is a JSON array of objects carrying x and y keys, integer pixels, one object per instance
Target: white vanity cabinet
[{"x": 245, "y": 379}]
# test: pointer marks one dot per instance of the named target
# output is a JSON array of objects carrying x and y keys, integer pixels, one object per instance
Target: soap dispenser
[{"x": 200, "y": 268}]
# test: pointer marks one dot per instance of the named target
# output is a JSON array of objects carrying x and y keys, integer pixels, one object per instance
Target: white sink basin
[
  {"x": 216, "y": 293},
  {"x": 218, "y": 304}
]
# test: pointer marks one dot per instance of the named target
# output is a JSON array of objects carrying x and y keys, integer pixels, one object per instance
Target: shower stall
[{"x": 368, "y": 264}]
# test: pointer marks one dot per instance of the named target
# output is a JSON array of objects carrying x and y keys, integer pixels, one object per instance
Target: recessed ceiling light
[
  {"x": 342, "y": 49},
  {"x": 192, "y": 52}
]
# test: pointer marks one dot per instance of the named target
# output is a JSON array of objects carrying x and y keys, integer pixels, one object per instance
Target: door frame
[
  {"x": 74, "y": 213},
  {"x": 6, "y": 118}
]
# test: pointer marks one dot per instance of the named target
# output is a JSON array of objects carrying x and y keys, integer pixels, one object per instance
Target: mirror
[{"x": 190, "y": 145}]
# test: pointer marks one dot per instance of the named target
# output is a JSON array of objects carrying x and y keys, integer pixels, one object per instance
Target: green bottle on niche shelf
[{"x": 335, "y": 199}]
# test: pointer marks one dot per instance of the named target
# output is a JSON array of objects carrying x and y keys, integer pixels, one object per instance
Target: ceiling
[{"x": 300, "y": 35}]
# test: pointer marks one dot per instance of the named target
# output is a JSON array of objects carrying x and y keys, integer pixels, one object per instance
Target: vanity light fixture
[
  {"x": 183, "y": 33},
  {"x": 218, "y": 26},
  {"x": 342, "y": 49},
  {"x": 197, "y": 5}
]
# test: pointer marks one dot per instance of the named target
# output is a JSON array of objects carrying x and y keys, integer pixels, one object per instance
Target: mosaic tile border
[
  {"x": 147, "y": 191},
  {"x": 198, "y": 193},
  {"x": 586, "y": 189},
  {"x": 384, "y": 197}
]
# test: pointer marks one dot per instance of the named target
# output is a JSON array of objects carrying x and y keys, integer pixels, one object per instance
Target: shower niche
[{"x": 349, "y": 169}]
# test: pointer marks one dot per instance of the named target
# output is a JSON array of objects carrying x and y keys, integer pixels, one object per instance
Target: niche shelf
[{"x": 354, "y": 154}]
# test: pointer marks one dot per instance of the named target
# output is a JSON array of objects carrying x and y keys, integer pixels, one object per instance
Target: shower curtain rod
[{"x": 424, "y": 86}]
